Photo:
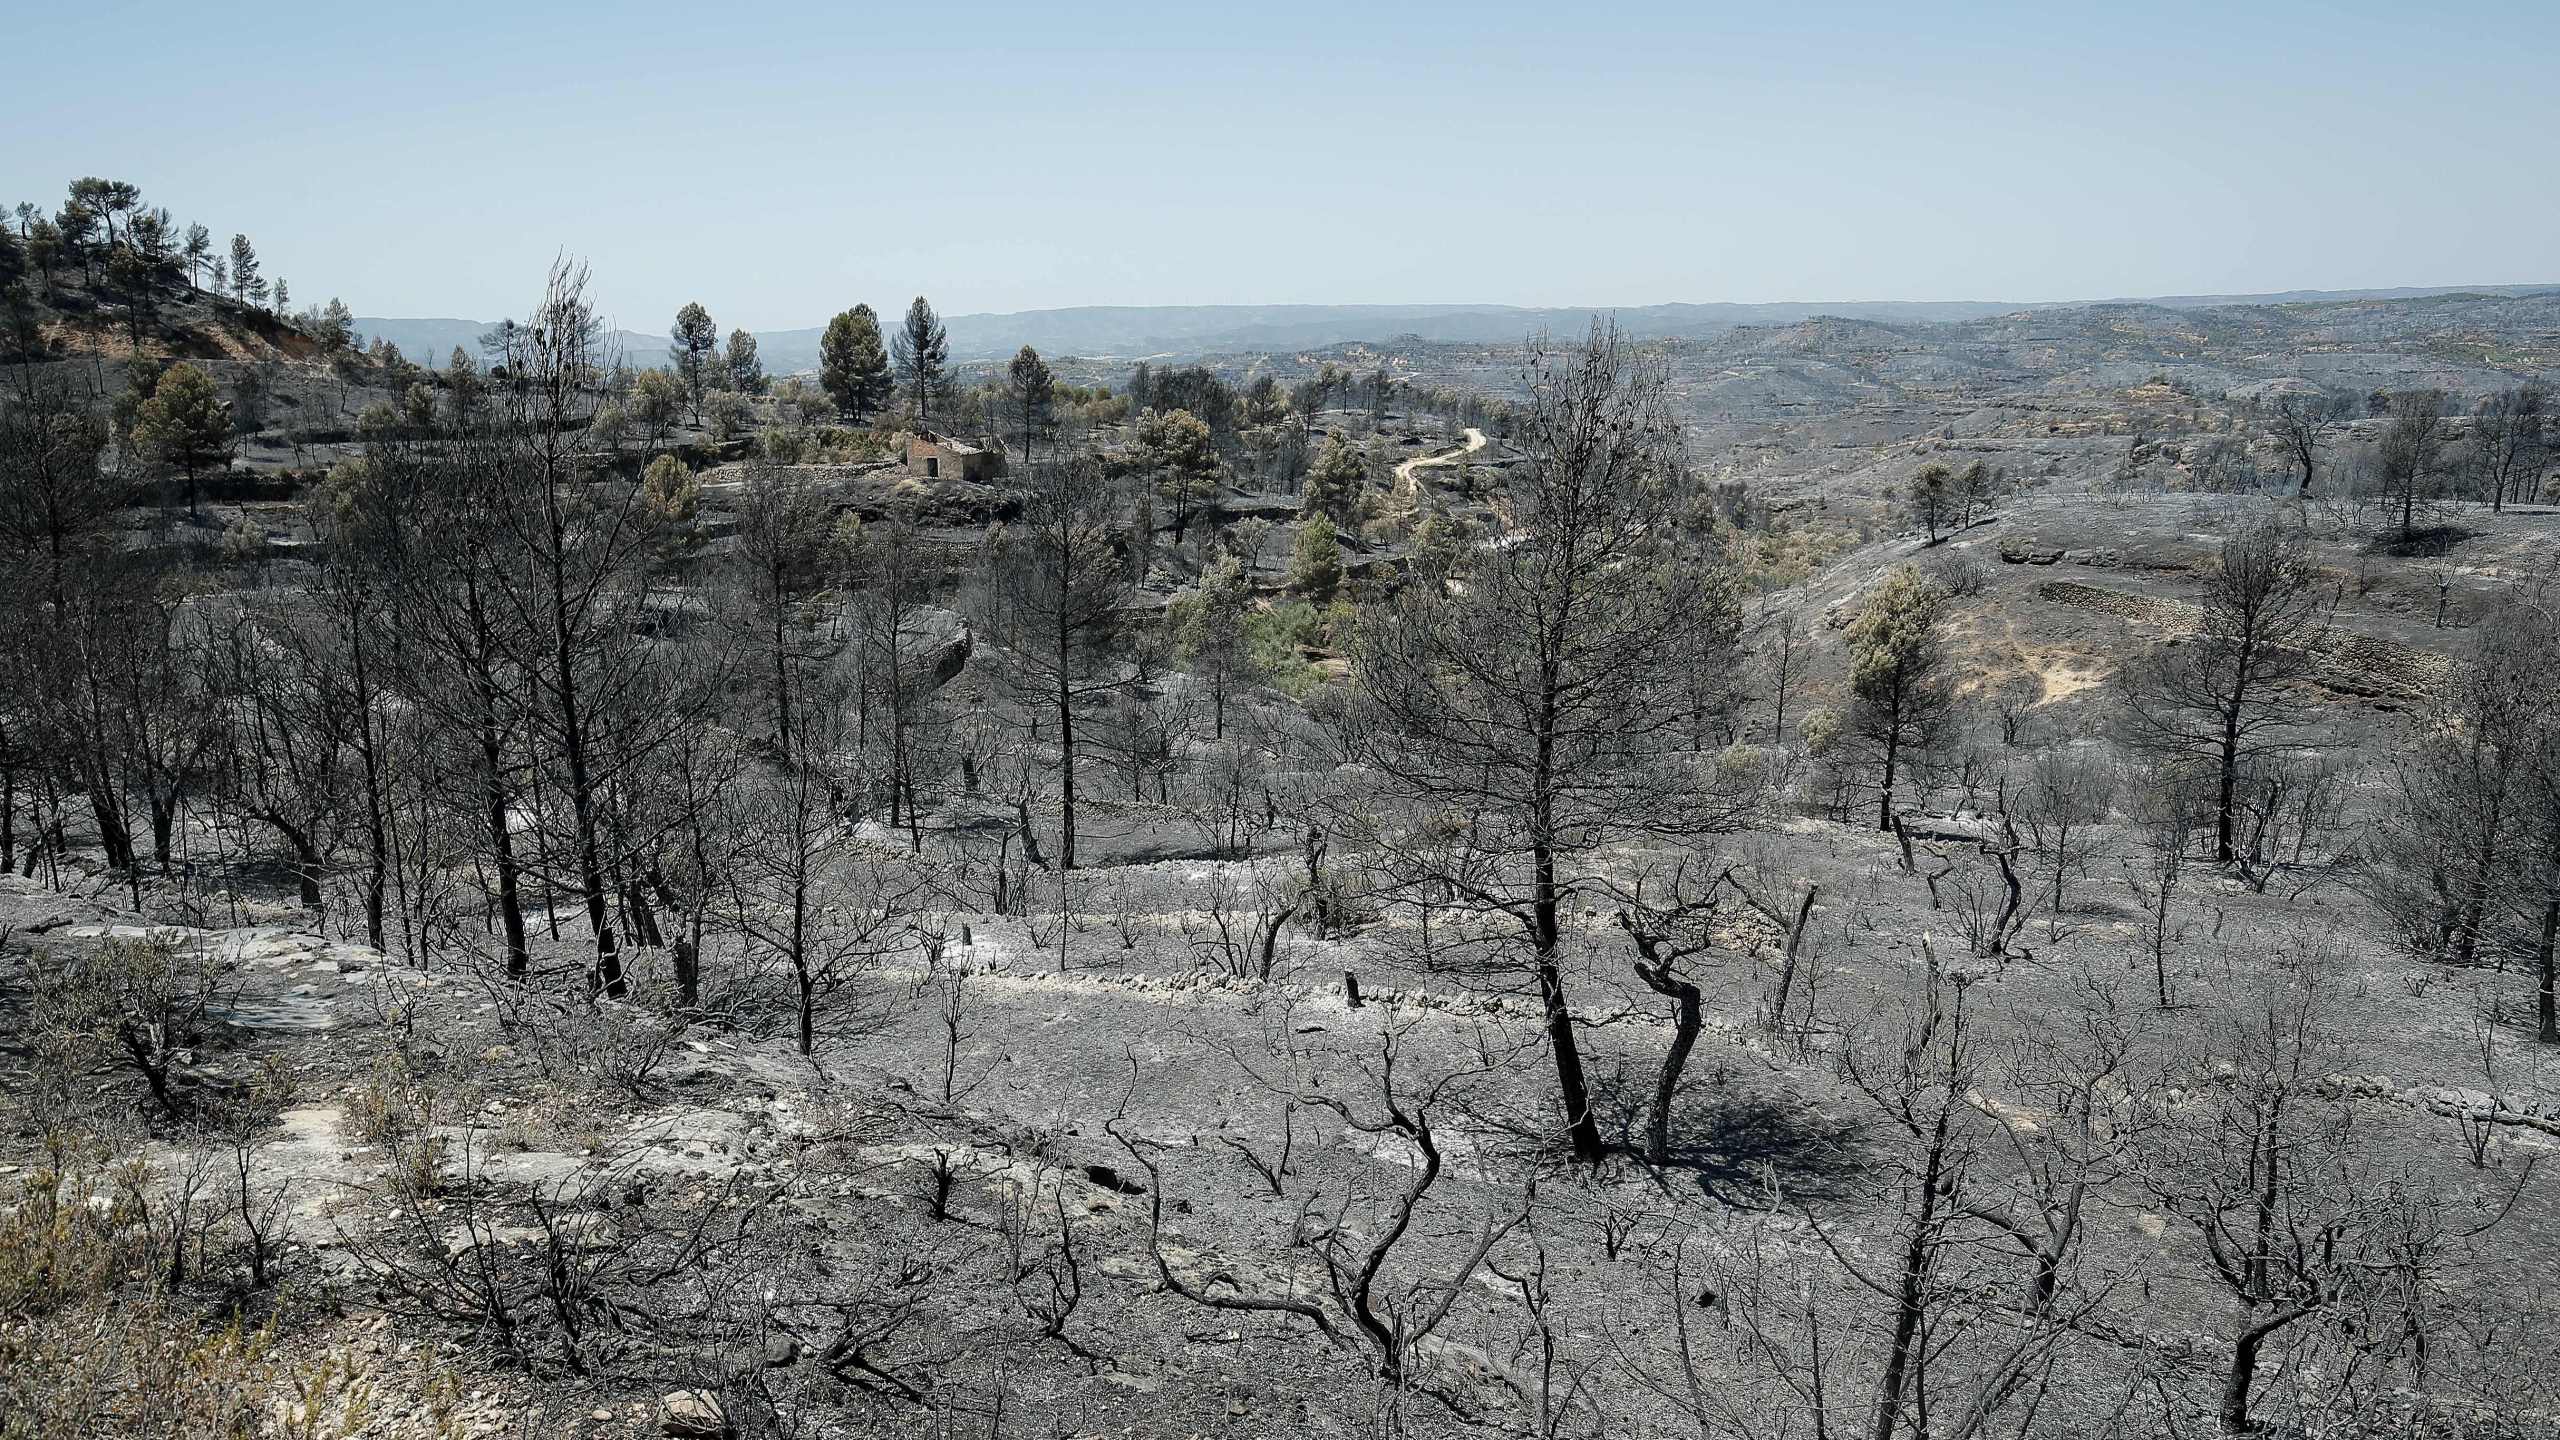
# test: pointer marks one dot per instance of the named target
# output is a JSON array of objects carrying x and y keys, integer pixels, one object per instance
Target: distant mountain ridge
[{"x": 1177, "y": 332}]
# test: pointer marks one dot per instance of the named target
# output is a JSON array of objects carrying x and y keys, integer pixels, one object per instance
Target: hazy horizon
[
  {"x": 1784, "y": 302},
  {"x": 781, "y": 164}
]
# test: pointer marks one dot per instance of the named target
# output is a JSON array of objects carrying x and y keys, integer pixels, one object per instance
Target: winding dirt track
[{"x": 1407, "y": 485}]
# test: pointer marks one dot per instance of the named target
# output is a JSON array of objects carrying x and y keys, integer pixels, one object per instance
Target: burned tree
[
  {"x": 808, "y": 896},
  {"x": 894, "y": 643},
  {"x": 1373, "y": 1303},
  {"x": 2300, "y": 423},
  {"x": 584, "y": 547},
  {"x": 2411, "y": 454},
  {"x": 2214, "y": 701},
  {"x": 2294, "y": 1209},
  {"x": 1670, "y": 931},
  {"x": 465, "y": 649},
  {"x": 1057, "y": 579},
  {"x": 1515, "y": 716},
  {"x": 2467, "y": 863},
  {"x": 785, "y": 543}
]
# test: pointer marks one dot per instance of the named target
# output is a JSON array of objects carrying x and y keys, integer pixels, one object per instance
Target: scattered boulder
[{"x": 692, "y": 1415}]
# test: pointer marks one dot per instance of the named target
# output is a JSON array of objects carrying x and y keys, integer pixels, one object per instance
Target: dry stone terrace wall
[
  {"x": 2351, "y": 663},
  {"x": 2174, "y": 616}
]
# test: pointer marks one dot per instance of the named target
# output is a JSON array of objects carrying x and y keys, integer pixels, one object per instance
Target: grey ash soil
[{"x": 1194, "y": 1065}]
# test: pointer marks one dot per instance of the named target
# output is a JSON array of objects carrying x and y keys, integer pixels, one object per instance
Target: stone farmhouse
[{"x": 933, "y": 456}]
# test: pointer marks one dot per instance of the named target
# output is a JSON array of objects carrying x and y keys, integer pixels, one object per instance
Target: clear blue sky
[{"x": 780, "y": 159}]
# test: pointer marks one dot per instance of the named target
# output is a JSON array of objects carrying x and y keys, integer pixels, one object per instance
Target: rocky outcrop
[{"x": 936, "y": 642}]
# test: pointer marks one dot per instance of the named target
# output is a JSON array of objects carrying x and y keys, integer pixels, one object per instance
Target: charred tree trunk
[
  {"x": 164, "y": 824},
  {"x": 502, "y": 843},
  {"x": 1269, "y": 958},
  {"x": 8, "y": 817},
  {"x": 686, "y": 953},
  {"x": 2547, "y": 984},
  {"x": 307, "y": 863},
  {"x": 1066, "y": 760},
  {"x": 644, "y": 921},
  {"x": 1580, "y": 1127},
  {"x": 377, "y": 833},
  {"x": 782, "y": 678},
  {"x": 1686, "y": 1022},
  {"x": 2241, "y": 1377},
  {"x": 609, "y": 978},
  {"x": 1884, "y": 791},
  {"x": 2226, "y": 796},
  {"x": 1911, "y": 1290},
  {"x": 113, "y": 835},
  {"x": 1787, "y": 966}
]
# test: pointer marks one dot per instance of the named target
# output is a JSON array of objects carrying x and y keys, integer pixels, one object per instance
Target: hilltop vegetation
[{"x": 106, "y": 274}]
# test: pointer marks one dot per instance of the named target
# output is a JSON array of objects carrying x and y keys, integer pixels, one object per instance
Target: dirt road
[{"x": 1407, "y": 485}]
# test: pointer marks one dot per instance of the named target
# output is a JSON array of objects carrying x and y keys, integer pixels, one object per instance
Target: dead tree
[
  {"x": 1784, "y": 654},
  {"x": 464, "y": 656},
  {"x": 786, "y": 546},
  {"x": 280, "y": 760},
  {"x": 1526, "y": 693},
  {"x": 2411, "y": 453},
  {"x": 682, "y": 849},
  {"x": 1055, "y": 590},
  {"x": 2300, "y": 423},
  {"x": 1679, "y": 925},
  {"x": 2464, "y": 781},
  {"x": 2068, "y": 792},
  {"x": 2155, "y": 884},
  {"x": 1790, "y": 922},
  {"x": 1993, "y": 914},
  {"x": 1561, "y": 1387},
  {"x": 1979, "y": 1292},
  {"x": 580, "y": 589},
  {"x": 892, "y": 635},
  {"x": 2294, "y": 1211},
  {"x": 1922, "y": 1096},
  {"x": 1375, "y": 1307},
  {"x": 803, "y": 893},
  {"x": 2511, "y": 437},
  {"x": 2216, "y": 700}
]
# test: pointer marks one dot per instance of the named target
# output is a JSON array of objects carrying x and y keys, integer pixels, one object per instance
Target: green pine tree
[
  {"x": 853, "y": 363},
  {"x": 185, "y": 424}
]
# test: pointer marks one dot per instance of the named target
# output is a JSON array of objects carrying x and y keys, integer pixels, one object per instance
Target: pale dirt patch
[{"x": 1999, "y": 658}]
